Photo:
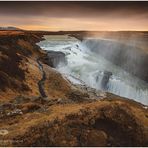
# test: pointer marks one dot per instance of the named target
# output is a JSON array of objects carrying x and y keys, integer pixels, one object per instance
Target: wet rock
[
  {"x": 105, "y": 79},
  {"x": 54, "y": 58}
]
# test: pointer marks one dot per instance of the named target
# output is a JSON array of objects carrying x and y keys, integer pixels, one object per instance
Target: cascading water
[{"x": 96, "y": 70}]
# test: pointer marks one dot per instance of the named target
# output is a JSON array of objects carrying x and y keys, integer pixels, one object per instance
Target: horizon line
[{"x": 19, "y": 29}]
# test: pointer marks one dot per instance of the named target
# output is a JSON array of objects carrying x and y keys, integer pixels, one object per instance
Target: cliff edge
[{"x": 40, "y": 107}]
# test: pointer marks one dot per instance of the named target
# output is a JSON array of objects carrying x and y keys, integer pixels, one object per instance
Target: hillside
[{"x": 40, "y": 107}]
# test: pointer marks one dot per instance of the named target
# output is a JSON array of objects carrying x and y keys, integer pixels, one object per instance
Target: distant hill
[{"x": 9, "y": 28}]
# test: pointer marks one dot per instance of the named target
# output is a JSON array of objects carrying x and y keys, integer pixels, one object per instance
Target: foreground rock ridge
[{"x": 40, "y": 107}]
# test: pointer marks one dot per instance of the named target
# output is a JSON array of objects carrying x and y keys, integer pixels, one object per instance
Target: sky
[{"x": 84, "y": 15}]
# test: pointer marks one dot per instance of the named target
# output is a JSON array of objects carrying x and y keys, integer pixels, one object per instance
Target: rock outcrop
[
  {"x": 54, "y": 58},
  {"x": 105, "y": 79}
]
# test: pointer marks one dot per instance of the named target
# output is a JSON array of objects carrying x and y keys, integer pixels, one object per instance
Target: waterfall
[{"x": 101, "y": 64}]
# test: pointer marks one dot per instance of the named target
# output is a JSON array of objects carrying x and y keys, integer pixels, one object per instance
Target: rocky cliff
[{"x": 40, "y": 107}]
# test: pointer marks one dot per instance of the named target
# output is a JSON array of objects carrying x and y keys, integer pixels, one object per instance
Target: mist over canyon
[{"x": 106, "y": 63}]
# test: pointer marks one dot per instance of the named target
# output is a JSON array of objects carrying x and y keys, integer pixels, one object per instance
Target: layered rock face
[
  {"x": 54, "y": 58},
  {"x": 40, "y": 107}
]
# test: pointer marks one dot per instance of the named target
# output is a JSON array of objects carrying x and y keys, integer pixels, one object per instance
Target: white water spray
[{"x": 94, "y": 70}]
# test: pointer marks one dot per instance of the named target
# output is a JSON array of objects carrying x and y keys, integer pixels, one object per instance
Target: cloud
[{"x": 75, "y": 15}]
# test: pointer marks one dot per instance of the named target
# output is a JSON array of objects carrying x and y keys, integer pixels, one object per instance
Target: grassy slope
[{"x": 70, "y": 115}]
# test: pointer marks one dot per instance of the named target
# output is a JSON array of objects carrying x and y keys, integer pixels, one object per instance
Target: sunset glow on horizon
[{"x": 71, "y": 16}]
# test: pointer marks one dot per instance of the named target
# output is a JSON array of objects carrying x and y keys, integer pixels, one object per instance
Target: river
[{"x": 93, "y": 68}]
